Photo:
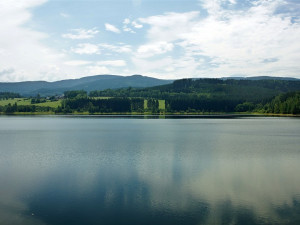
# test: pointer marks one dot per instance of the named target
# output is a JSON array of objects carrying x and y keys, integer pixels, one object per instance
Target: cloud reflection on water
[{"x": 158, "y": 171}]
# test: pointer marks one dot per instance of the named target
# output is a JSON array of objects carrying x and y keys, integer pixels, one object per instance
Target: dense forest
[
  {"x": 8, "y": 95},
  {"x": 240, "y": 90},
  {"x": 211, "y": 95},
  {"x": 24, "y": 108},
  {"x": 182, "y": 96},
  {"x": 288, "y": 103},
  {"x": 79, "y": 101}
]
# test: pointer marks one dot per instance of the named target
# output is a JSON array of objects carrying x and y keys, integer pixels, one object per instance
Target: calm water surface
[{"x": 66, "y": 170}]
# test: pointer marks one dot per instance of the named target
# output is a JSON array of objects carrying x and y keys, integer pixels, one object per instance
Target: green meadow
[
  {"x": 56, "y": 104},
  {"x": 161, "y": 106},
  {"x": 27, "y": 101}
]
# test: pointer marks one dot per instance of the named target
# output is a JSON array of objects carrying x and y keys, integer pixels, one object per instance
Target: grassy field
[
  {"x": 27, "y": 101},
  {"x": 55, "y": 104},
  {"x": 50, "y": 104},
  {"x": 101, "y": 97},
  {"x": 162, "y": 104},
  {"x": 19, "y": 101}
]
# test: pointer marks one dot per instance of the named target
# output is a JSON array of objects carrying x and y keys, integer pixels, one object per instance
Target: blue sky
[{"x": 62, "y": 39}]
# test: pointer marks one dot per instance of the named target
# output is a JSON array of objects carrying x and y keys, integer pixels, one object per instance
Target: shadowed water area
[{"x": 97, "y": 170}]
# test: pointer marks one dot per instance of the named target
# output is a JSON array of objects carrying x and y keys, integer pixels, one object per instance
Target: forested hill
[
  {"x": 243, "y": 90},
  {"x": 181, "y": 96},
  {"x": 210, "y": 95},
  {"x": 99, "y": 82}
]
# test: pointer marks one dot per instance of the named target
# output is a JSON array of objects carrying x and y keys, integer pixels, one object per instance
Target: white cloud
[
  {"x": 240, "y": 43},
  {"x": 77, "y": 63},
  {"x": 147, "y": 67},
  {"x": 156, "y": 48},
  {"x": 126, "y": 21},
  {"x": 114, "y": 63},
  {"x": 89, "y": 49},
  {"x": 129, "y": 25},
  {"x": 97, "y": 70},
  {"x": 86, "y": 48},
  {"x": 169, "y": 26},
  {"x": 215, "y": 7},
  {"x": 137, "y": 25},
  {"x": 65, "y": 15},
  {"x": 112, "y": 28},
  {"x": 81, "y": 33},
  {"x": 24, "y": 56},
  {"x": 6, "y": 71},
  {"x": 262, "y": 39},
  {"x": 167, "y": 67},
  {"x": 127, "y": 29},
  {"x": 231, "y": 41},
  {"x": 121, "y": 48}
]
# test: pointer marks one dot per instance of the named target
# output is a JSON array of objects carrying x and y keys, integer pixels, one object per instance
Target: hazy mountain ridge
[
  {"x": 100, "y": 82},
  {"x": 260, "y": 78},
  {"x": 97, "y": 82}
]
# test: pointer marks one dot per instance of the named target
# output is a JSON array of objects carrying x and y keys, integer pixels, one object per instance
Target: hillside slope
[{"x": 98, "y": 82}]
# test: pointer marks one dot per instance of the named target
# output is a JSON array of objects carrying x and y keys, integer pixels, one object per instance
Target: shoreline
[{"x": 169, "y": 115}]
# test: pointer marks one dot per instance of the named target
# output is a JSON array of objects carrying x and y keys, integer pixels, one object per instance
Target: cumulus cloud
[
  {"x": 6, "y": 71},
  {"x": 152, "y": 67},
  {"x": 129, "y": 26},
  {"x": 259, "y": 38},
  {"x": 81, "y": 33},
  {"x": 126, "y": 21},
  {"x": 23, "y": 54},
  {"x": 97, "y": 70},
  {"x": 114, "y": 63},
  {"x": 169, "y": 26},
  {"x": 231, "y": 41},
  {"x": 136, "y": 25},
  {"x": 86, "y": 48},
  {"x": 112, "y": 28},
  {"x": 120, "y": 48},
  {"x": 167, "y": 67},
  {"x": 89, "y": 49},
  {"x": 77, "y": 63},
  {"x": 156, "y": 48}
]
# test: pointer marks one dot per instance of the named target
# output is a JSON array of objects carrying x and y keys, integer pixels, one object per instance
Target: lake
[{"x": 64, "y": 170}]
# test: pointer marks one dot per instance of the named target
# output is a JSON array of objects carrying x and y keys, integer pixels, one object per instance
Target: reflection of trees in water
[
  {"x": 110, "y": 201},
  {"x": 174, "y": 174},
  {"x": 226, "y": 213},
  {"x": 14, "y": 211},
  {"x": 169, "y": 187},
  {"x": 114, "y": 199},
  {"x": 289, "y": 213}
]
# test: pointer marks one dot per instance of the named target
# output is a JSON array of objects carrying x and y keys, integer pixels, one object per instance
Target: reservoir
[{"x": 64, "y": 170}]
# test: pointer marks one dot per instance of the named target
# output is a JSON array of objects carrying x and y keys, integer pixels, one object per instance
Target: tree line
[
  {"x": 182, "y": 96},
  {"x": 215, "y": 95},
  {"x": 288, "y": 103},
  {"x": 8, "y": 95},
  {"x": 14, "y": 108},
  {"x": 108, "y": 105}
]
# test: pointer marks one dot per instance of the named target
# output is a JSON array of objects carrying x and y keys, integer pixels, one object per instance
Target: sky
[{"x": 168, "y": 39}]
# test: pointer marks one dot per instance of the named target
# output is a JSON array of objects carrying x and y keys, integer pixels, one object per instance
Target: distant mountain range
[
  {"x": 98, "y": 82},
  {"x": 260, "y": 78},
  {"x": 91, "y": 83}
]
